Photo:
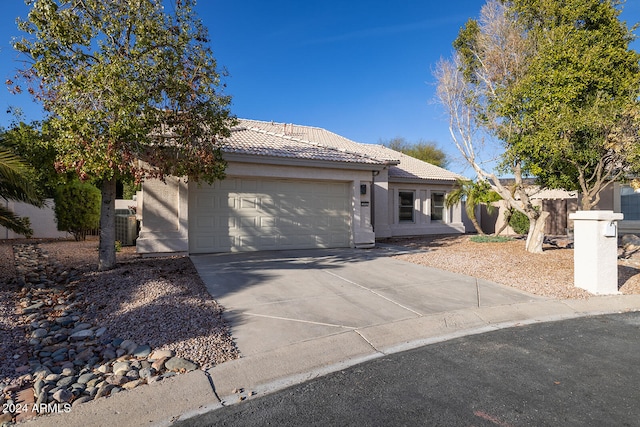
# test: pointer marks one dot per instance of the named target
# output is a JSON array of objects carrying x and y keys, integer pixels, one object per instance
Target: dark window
[
  {"x": 406, "y": 206},
  {"x": 437, "y": 206}
]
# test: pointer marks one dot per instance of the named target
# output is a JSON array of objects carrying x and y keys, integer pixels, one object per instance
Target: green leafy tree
[
  {"x": 577, "y": 107},
  {"x": 16, "y": 185},
  {"x": 77, "y": 208},
  {"x": 131, "y": 91},
  {"x": 421, "y": 150},
  {"x": 555, "y": 84},
  {"x": 33, "y": 143},
  {"x": 474, "y": 193}
]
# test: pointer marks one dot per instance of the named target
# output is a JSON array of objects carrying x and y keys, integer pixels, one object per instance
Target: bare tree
[{"x": 491, "y": 54}]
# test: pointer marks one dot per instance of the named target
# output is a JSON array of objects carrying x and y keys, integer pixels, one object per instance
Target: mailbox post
[{"x": 595, "y": 255}]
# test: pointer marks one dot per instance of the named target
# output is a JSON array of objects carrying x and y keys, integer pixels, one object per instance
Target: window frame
[
  {"x": 441, "y": 207},
  {"x": 405, "y": 208}
]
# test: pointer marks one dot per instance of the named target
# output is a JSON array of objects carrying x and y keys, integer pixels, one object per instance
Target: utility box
[
  {"x": 595, "y": 255},
  {"x": 126, "y": 227}
]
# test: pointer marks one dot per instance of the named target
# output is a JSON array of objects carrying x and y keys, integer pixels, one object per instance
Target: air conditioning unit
[{"x": 126, "y": 229}]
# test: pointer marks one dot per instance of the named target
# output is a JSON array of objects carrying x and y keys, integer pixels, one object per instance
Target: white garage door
[{"x": 240, "y": 214}]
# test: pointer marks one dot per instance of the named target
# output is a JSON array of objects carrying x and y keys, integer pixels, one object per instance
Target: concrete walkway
[{"x": 298, "y": 315}]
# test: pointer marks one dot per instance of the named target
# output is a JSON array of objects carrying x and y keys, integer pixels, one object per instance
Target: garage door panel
[{"x": 268, "y": 215}]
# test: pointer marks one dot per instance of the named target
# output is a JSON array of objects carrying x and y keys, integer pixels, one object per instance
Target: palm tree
[
  {"x": 15, "y": 185},
  {"x": 475, "y": 193}
]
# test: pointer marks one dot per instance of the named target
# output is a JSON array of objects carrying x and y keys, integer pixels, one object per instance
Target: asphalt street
[{"x": 579, "y": 372}]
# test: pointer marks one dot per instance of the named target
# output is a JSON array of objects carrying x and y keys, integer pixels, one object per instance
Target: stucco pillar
[
  {"x": 595, "y": 255},
  {"x": 363, "y": 235}
]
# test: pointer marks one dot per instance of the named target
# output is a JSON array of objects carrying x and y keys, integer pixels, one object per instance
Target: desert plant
[
  {"x": 490, "y": 239},
  {"x": 77, "y": 208},
  {"x": 519, "y": 222},
  {"x": 475, "y": 193}
]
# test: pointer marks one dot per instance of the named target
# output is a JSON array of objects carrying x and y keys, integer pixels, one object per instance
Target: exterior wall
[
  {"x": 381, "y": 225},
  {"x": 165, "y": 208},
  {"x": 43, "y": 221},
  {"x": 165, "y": 211},
  {"x": 422, "y": 223}
]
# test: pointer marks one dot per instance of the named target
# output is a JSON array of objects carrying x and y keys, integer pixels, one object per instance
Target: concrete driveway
[{"x": 277, "y": 299}]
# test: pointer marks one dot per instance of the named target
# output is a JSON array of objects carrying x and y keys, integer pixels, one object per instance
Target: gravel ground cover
[
  {"x": 548, "y": 274},
  {"x": 159, "y": 303}
]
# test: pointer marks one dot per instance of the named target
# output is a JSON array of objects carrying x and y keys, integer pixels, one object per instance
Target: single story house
[{"x": 297, "y": 187}]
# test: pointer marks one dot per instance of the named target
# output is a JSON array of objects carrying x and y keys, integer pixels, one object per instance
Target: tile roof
[
  {"x": 261, "y": 141},
  {"x": 288, "y": 140}
]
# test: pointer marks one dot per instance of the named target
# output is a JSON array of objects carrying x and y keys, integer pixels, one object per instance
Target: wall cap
[{"x": 596, "y": 215}]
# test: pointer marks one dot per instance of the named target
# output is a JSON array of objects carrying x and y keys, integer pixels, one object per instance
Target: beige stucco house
[{"x": 297, "y": 187}]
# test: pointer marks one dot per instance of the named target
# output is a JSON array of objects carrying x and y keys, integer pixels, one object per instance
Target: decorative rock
[
  {"x": 81, "y": 327},
  {"x": 132, "y": 374},
  {"x": 116, "y": 342},
  {"x": 117, "y": 380},
  {"x": 37, "y": 387},
  {"x": 67, "y": 372},
  {"x": 103, "y": 391},
  {"x": 85, "y": 378},
  {"x": 142, "y": 351},
  {"x": 81, "y": 335},
  {"x": 120, "y": 368},
  {"x": 104, "y": 368},
  {"x": 158, "y": 365},
  {"x": 53, "y": 378},
  {"x": 126, "y": 344},
  {"x": 72, "y": 360},
  {"x": 39, "y": 333},
  {"x": 62, "y": 395},
  {"x": 146, "y": 372},
  {"x": 109, "y": 354},
  {"x": 132, "y": 384},
  {"x": 64, "y": 321},
  {"x": 81, "y": 400},
  {"x": 161, "y": 354},
  {"x": 180, "y": 364},
  {"x": 66, "y": 381},
  {"x": 93, "y": 382},
  {"x": 32, "y": 308}
]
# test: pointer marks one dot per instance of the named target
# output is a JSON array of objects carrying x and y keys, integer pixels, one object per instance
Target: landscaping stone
[{"x": 68, "y": 359}]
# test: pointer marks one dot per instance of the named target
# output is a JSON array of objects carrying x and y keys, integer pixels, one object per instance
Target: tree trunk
[
  {"x": 107, "y": 250},
  {"x": 472, "y": 216},
  {"x": 535, "y": 238},
  {"x": 505, "y": 224}
]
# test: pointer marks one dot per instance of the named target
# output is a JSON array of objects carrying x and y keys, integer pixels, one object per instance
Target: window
[
  {"x": 406, "y": 206},
  {"x": 629, "y": 203},
  {"x": 437, "y": 206}
]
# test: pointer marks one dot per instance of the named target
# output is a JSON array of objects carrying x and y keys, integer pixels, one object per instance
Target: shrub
[
  {"x": 77, "y": 208},
  {"x": 490, "y": 239},
  {"x": 519, "y": 222}
]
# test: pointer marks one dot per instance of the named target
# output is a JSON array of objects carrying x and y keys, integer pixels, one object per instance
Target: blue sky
[{"x": 362, "y": 69}]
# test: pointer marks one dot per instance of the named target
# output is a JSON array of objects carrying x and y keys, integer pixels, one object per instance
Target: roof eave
[
  {"x": 295, "y": 161},
  {"x": 401, "y": 180}
]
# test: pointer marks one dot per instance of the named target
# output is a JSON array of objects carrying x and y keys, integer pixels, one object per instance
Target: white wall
[{"x": 43, "y": 220}]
